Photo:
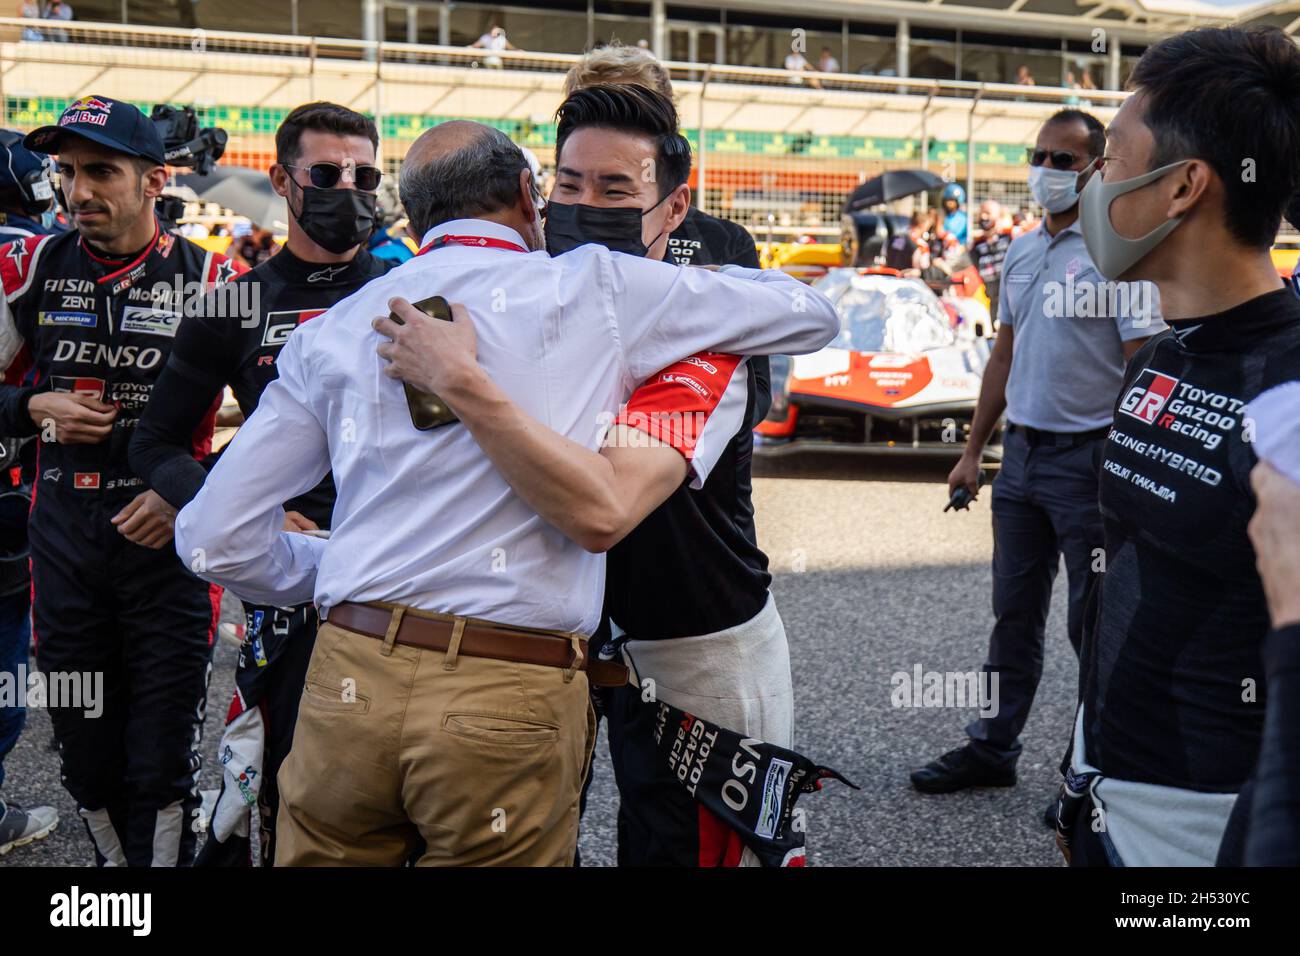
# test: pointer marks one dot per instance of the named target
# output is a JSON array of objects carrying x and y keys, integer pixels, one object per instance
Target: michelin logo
[{"x": 85, "y": 320}]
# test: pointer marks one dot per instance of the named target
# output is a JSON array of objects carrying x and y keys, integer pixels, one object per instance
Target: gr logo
[
  {"x": 280, "y": 324},
  {"x": 1148, "y": 395}
]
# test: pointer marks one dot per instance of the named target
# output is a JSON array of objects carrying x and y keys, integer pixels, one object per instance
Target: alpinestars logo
[
  {"x": 225, "y": 271},
  {"x": 1148, "y": 395},
  {"x": 18, "y": 252}
]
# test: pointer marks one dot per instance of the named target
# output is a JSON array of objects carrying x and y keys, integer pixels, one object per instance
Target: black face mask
[
  {"x": 336, "y": 219},
  {"x": 617, "y": 228}
]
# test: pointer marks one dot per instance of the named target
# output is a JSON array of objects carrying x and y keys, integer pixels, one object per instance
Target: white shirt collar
[{"x": 473, "y": 227}]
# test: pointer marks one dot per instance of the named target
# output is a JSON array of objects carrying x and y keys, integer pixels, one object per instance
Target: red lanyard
[{"x": 480, "y": 241}]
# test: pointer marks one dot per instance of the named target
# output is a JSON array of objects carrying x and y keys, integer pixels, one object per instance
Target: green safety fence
[{"x": 28, "y": 112}]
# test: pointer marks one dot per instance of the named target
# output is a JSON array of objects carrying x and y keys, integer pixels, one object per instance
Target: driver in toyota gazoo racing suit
[
  {"x": 686, "y": 589},
  {"x": 27, "y": 208},
  {"x": 323, "y": 261},
  {"x": 116, "y": 614}
]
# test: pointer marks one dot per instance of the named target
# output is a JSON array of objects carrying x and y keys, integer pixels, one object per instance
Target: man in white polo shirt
[
  {"x": 446, "y": 706},
  {"x": 1057, "y": 365}
]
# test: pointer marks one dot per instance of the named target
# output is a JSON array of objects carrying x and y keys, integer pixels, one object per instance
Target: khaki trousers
[{"x": 398, "y": 751}]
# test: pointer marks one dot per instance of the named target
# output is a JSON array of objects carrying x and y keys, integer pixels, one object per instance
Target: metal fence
[{"x": 775, "y": 150}]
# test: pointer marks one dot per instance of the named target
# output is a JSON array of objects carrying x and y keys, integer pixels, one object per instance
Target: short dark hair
[
  {"x": 323, "y": 118},
  {"x": 1227, "y": 95},
  {"x": 1096, "y": 132},
  {"x": 479, "y": 178},
  {"x": 630, "y": 108}
]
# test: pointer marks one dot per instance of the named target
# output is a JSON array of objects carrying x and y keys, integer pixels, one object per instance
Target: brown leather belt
[{"x": 502, "y": 642}]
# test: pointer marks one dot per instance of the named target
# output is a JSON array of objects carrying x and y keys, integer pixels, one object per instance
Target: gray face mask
[{"x": 1111, "y": 253}]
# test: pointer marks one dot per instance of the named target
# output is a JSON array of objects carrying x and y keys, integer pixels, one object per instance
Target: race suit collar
[
  {"x": 1238, "y": 328},
  {"x": 119, "y": 274},
  {"x": 299, "y": 272}
]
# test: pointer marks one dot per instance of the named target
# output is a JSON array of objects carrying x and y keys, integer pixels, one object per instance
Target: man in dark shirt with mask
[
  {"x": 1171, "y": 705},
  {"x": 326, "y": 172}
]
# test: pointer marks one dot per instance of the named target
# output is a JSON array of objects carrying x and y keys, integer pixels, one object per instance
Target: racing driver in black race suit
[
  {"x": 324, "y": 261},
  {"x": 1171, "y": 686},
  {"x": 117, "y": 616}
]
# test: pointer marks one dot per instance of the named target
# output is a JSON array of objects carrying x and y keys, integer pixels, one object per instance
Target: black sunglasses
[
  {"x": 1061, "y": 158},
  {"x": 327, "y": 175}
]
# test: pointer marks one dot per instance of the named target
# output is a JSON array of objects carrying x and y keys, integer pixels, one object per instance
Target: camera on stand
[{"x": 185, "y": 144}]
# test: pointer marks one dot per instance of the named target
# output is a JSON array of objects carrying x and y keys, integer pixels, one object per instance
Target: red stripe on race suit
[
  {"x": 17, "y": 260},
  {"x": 674, "y": 404},
  {"x": 20, "y": 366},
  {"x": 720, "y": 846},
  {"x": 215, "y": 591}
]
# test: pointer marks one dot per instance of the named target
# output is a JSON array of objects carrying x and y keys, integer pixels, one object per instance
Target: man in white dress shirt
[{"x": 446, "y": 707}]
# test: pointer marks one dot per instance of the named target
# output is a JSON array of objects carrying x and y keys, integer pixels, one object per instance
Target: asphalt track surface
[{"x": 871, "y": 578}]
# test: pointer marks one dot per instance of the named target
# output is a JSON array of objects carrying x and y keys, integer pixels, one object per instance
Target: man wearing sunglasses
[
  {"x": 1200, "y": 164},
  {"x": 1055, "y": 369},
  {"x": 326, "y": 172}
]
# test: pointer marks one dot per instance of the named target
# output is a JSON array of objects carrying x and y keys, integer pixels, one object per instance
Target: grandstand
[{"x": 924, "y": 82}]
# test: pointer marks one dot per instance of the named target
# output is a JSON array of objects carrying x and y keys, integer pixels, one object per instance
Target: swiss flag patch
[{"x": 86, "y": 480}]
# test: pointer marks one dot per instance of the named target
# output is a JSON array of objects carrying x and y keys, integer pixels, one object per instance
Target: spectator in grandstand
[
  {"x": 796, "y": 62},
  {"x": 989, "y": 250},
  {"x": 1071, "y": 83},
  {"x": 827, "y": 62},
  {"x": 58, "y": 10},
  {"x": 1170, "y": 721},
  {"x": 1056, "y": 376},
  {"x": 494, "y": 40},
  {"x": 1086, "y": 84},
  {"x": 31, "y": 10},
  {"x": 1024, "y": 77}
]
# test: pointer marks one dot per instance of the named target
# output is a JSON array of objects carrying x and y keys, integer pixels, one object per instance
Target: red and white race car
[{"x": 902, "y": 376}]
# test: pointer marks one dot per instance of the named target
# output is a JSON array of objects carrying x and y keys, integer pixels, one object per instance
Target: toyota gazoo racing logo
[
  {"x": 1197, "y": 413},
  {"x": 280, "y": 324},
  {"x": 90, "y": 387},
  {"x": 1148, "y": 395}
]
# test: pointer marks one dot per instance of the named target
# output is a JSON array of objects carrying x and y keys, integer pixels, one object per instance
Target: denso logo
[
  {"x": 1147, "y": 396},
  {"x": 114, "y": 356}
]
